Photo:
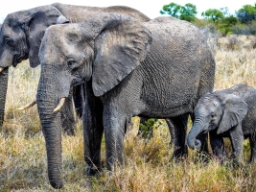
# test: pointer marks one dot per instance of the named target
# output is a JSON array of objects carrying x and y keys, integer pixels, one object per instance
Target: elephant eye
[
  {"x": 70, "y": 63},
  {"x": 9, "y": 42},
  {"x": 213, "y": 115}
]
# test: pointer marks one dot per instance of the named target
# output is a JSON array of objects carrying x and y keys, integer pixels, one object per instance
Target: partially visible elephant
[
  {"x": 155, "y": 69},
  {"x": 21, "y": 35},
  {"x": 228, "y": 113}
]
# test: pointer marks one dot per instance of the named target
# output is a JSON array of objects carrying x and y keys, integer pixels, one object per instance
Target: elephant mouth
[
  {"x": 206, "y": 131},
  {"x": 18, "y": 59},
  {"x": 210, "y": 128}
]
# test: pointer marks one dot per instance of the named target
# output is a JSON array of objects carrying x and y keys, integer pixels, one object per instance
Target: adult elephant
[
  {"x": 20, "y": 38},
  {"x": 21, "y": 35},
  {"x": 156, "y": 69}
]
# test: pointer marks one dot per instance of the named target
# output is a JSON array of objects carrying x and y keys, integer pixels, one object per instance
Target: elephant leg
[
  {"x": 237, "y": 138},
  {"x": 253, "y": 147},
  {"x": 3, "y": 91},
  {"x": 114, "y": 125},
  {"x": 92, "y": 129},
  {"x": 68, "y": 117},
  {"x": 78, "y": 100},
  {"x": 180, "y": 131},
  {"x": 217, "y": 145},
  {"x": 171, "y": 130}
]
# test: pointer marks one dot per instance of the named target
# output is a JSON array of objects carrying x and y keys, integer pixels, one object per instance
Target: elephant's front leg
[
  {"x": 237, "y": 138},
  {"x": 3, "y": 90},
  {"x": 92, "y": 129},
  {"x": 114, "y": 125},
  {"x": 217, "y": 145}
]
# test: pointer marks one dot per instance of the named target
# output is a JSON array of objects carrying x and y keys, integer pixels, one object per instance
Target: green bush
[
  {"x": 245, "y": 29},
  {"x": 146, "y": 128}
]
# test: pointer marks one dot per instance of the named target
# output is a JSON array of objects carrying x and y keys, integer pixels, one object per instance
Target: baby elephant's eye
[
  {"x": 213, "y": 115},
  {"x": 70, "y": 63}
]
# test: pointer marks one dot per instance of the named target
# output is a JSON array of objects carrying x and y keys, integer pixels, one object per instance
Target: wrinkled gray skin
[
  {"x": 20, "y": 39},
  {"x": 133, "y": 68},
  {"x": 227, "y": 113},
  {"x": 21, "y": 35}
]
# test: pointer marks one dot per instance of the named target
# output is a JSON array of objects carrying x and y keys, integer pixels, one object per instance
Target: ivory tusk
[
  {"x": 1, "y": 69},
  {"x": 28, "y": 105},
  {"x": 60, "y": 105}
]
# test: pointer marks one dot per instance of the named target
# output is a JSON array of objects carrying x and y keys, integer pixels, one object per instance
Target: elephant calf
[{"x": 227, "y": 113}]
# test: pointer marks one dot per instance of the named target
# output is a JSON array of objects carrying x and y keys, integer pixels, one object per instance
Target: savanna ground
[{"x": 148, "y": 166}]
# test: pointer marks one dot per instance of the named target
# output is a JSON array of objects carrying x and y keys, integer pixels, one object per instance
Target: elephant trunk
[
  {"x": 191, "y": 139},
  {"x": 3, "y": 90},
  {"x": 51, "y": 124}
]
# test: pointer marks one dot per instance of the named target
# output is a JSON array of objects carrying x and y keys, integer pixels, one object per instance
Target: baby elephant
[{"x": 226, "y": 113}]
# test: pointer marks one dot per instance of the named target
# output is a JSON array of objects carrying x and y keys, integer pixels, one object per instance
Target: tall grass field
[{"x": 148, "y": 165}]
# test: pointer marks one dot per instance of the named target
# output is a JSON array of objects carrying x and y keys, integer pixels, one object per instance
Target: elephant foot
[
  {"x": 179, "y": 154},
  {"x": 92, "y": 170},
  {"x": 252, "y": 161}
]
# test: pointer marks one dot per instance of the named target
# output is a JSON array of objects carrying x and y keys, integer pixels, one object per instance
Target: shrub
[{"x": 233, "y": 43}]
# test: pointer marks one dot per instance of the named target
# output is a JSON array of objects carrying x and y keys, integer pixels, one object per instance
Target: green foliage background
[{"x": 217, "y": 20}]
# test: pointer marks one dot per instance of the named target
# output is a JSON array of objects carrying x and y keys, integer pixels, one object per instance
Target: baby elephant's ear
[
  {"x": 235, "y": 109},
  {"x": 120, "y": 48}
]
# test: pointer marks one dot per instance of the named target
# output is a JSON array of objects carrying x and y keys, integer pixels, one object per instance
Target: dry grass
[{"x": 148, "y": 166}]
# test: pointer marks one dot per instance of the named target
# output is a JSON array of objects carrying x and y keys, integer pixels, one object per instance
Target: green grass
[{"x": 148, "y": 165}]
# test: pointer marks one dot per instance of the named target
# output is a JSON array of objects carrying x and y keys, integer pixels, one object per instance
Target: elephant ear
[
  {"x": 120, "y": 47},
  {"x": 38, "y": 20},
  {"x": 235, "y": 109}
]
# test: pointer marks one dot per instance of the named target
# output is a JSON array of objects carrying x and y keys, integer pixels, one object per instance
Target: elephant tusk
[
  {"x": 1, "y": 69},
  {"x": 28, "y": 105},
  {"x": 60, "y": 105}
]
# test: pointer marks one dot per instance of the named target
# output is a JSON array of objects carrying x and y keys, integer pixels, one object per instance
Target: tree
[
  {"x": 213, "y": 15},
  {"x": 227, "y": 23},
  {"x": 187, "y": 12},
  {"x": 171, "y": 9},
  {"x": 247, "y": 13}
]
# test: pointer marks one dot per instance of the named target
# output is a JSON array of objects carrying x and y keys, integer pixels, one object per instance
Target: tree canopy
[
  {"x": 247, "y": 13},
  {"x": 187, "y": 12},
  {"x": 242, "y": 22},
  {"x": 213, "y": 14}
]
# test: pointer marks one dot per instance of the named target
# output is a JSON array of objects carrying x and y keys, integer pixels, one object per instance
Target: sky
[{"x": 151, "y": 8}]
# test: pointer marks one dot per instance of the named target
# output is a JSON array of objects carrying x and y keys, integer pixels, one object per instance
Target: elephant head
[
  {"x": 218, "y": 111},
  {"x": 103, "y": 50},
  {"x": 22, "y": 32},
  {"x": 20, "y": 38}
]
